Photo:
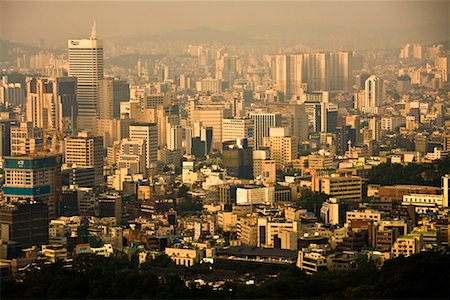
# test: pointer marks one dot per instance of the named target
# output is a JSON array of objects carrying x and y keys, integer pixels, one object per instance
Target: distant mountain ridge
[
  {"x": 324, "y": 36},
  {"x": 194, "y": 35},
  {"x": 7, "y": 52}
]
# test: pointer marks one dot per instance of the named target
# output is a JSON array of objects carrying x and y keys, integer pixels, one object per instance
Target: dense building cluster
[{"x": 224, "y": 154}]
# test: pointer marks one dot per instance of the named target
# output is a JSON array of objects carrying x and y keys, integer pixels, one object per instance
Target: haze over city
[
  {"x": 224, "y": 150},
  {"x": 27, "y": 21}
]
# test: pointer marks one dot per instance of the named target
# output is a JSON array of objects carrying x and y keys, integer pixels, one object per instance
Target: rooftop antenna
[{"x": 94, "y": 32}]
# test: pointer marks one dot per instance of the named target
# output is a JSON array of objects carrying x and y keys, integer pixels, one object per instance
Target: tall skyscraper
[
  {"x": 67, "y": 94},
  {"x": 43, "y": 104},
  {"x": 315, "y": 71},
  {"x": 175, "y": 137},
  {"x": 85, "y": 150},
  {"x": 5, "y": 137},
  {"x": 287, "y": 73},
  {"x": 344, "y": 61},
  {"x": 374, "y": 92},
  {"x": 443, "y": 65},
  {"x": 11, "y": 93},
  {"x": 111, "y": 92},
  {"x": 291, "y": 73},
  {"x": 86, "y": 64}
]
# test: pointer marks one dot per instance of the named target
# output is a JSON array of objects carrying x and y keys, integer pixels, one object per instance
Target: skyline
[
  {"x": 274, "y": 20},
  {"x": 224, "y": 150}
]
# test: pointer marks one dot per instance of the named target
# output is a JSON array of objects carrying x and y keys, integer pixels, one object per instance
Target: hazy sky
[{"x": 61, "y": 20}]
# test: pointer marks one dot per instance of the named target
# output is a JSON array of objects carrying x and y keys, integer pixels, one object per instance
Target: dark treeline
[
  {"x": 422, "y": 276},
  {"x": 414, "y": 173}
]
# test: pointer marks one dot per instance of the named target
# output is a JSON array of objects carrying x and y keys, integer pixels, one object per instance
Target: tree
[{"x": 311, "y": 200}]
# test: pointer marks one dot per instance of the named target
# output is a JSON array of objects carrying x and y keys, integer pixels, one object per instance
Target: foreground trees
[{"x": 424, "y": 275}]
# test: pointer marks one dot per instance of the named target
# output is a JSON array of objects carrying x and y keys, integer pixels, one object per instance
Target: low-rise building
[
  {"x": 227, "y": 221},
  {"x": 313, "y": 258},
  {"x": 184, "y": 257},
  {"x": 407, "y": 245},
  {"x": 361, "y": 215},
  {"x": 424, "y": 202},
  {"x": 54, "y": 252}
]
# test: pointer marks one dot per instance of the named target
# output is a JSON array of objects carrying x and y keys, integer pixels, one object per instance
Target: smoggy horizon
[{"x": 27, "y": 21}]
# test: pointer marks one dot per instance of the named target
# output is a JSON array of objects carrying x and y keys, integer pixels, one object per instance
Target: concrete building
[
  {"x": 238, "y": 128},
  {"x": 227, "y": 221},
  {"x": 366, "y": 214},
  {"x": 12, "y": 93},
  {"x": 395, "y": 193},
  {"x": 33, "y": 178},
  {"x": 211, "y": 116},
  {"x": 247, "y": 231},
  {"x": 277, "y": 234},
  {"x": 184, "y": 257},
  {"x": 321, "y": 161},
  {"x": 111, "y": 92},
  {"x": 313, "y": 258},
  {"x": 283, "y": 147},
  {"x": 54, "y": 252},
  {"x": 341, "y": 187},
  {"x": 374, "y": 92},
  {"x": 85, "y": 150},
  {"x": 147, "y": 132},
  {"x": 263, "y": 121},
  {"x": 43, "y": 108},
  {"x": 423, "y": 202},
  {"x": 132, "y": 156},
  {"x": 175, "y": 137},
  {"x": 329, "y": 212},
  {"x": 249, "y": 195},
  {"x": 26, "y": 139},
  {"x": 24, "y": 223},
  {"x": 407, "y": 245},
  {"x": 287, "y": 71},
  {"x": 238, "y": 159}
]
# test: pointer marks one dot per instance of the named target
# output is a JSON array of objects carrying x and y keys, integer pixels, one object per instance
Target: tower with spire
[
  {"x": 86, "y": 64},
  {"x": 94, "y": 31}
]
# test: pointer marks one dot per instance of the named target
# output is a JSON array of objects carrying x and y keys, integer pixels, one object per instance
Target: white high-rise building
[
  {"x": 263, "y": 121},
  {"x": 86, "y": 63},
  {"x": 374, "y": 92},
  {"x": 175, "y": 137},
  {"x": 11, "y": 93},
  {"x": 211, "y": 116},
  {"x": 238, "y": 128},
  {"x": 149, "y": 133},
  {"x": 43, "y": 105},
  {"x": 287, "y": 73},
  {"x": 132, "y": 156},
  {"x": 315, "y": 71}
]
